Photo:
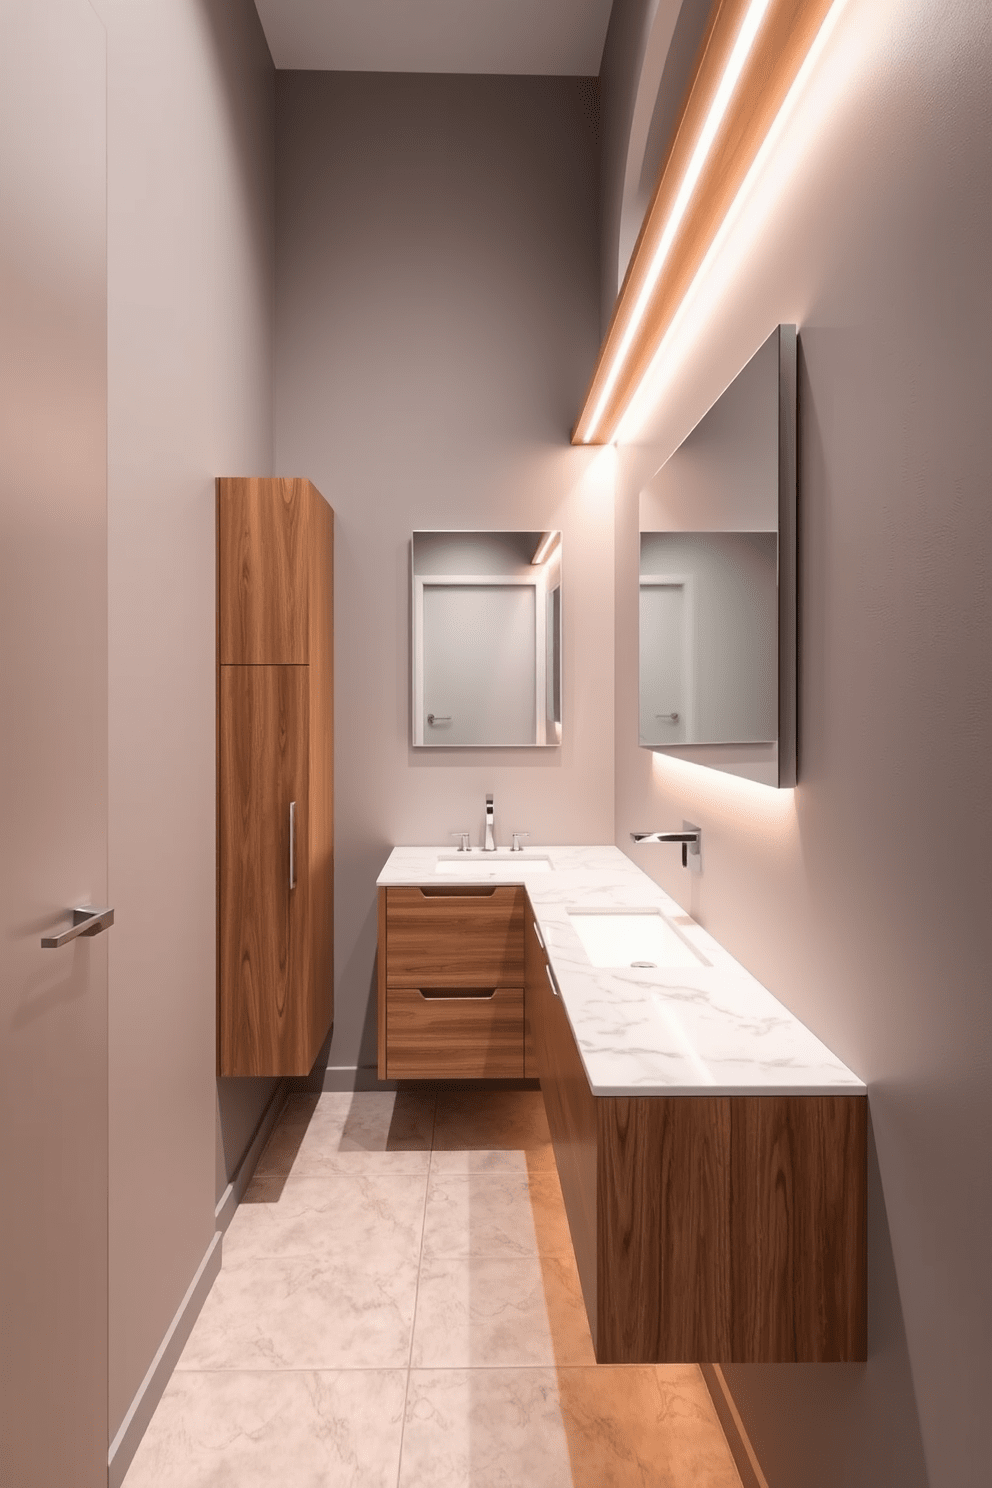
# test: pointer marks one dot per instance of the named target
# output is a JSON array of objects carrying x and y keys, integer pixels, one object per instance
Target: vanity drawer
[
  {"x": 458, "y": 936},
  {"x": 444, "y": 1033}
]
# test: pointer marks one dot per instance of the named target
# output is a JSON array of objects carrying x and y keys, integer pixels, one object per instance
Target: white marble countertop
[{"x": 706, "y": 1030}]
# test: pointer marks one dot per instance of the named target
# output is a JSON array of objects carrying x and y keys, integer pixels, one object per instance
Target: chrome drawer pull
[{"x": 551, "y": 980}]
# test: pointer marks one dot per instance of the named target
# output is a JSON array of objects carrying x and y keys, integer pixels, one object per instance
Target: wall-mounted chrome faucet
[
  {"x": 690, "y": 838},
  {"x": 490, "y": 842}
]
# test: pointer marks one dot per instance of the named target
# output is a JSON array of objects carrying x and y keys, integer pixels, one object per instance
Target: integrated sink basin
[
  {"x": 480, "y": 864},
  {"x": 633, "y": 938}
]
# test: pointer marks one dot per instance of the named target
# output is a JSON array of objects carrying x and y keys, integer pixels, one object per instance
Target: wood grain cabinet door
[
  {"x": 263, "y": 587},
  {"x": 265, "y": 942}
]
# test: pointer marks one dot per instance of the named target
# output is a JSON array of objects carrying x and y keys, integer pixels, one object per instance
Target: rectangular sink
[
  {"x": 638, "y": 938},
  {"x": 481, "y": 865}
]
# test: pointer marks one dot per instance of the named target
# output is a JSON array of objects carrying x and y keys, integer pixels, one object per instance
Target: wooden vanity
[
  {"x": 451, "y": 982},
  {"x": 724, "y": 1227}
]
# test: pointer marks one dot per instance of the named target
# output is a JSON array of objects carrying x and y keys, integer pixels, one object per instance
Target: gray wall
[
  {"x": 437, "y": 317},
  {"x": 190, "y": 166},
  {"x": 861, "y": 898}
]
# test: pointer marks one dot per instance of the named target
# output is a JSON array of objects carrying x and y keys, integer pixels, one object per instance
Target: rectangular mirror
[
  {"x": 717, "y": 576},
  {"x": 486, "y": 639}
]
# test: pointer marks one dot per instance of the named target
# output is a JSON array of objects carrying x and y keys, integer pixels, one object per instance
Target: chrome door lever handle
[{"x": 85, "y": 921}]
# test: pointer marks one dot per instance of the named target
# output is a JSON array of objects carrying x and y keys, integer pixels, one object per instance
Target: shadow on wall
[{"x": 807, "y": 1396}]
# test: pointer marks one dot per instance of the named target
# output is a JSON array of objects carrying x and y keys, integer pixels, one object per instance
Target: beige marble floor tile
[
  {"x": 360, "y": 1220},
  {"x": 367, "y": 1132},
  {"x": 493, "y": 1312},
  {"x": 484, "y": 1428},
  {"x": 306, "y": 1313},
  {"x": 495, "y": 1214},
  {"x": 633, "y": 1427},
  {"x": 491, "y": 1131},
  {"x": 301, "y": 1430}
]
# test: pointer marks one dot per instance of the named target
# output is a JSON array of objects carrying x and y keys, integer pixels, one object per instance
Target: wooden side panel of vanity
[
  {"x": 571, "y": 1111},
  {"x": 664, "y": 1239},
  {"x": 798, "y": 1228}
]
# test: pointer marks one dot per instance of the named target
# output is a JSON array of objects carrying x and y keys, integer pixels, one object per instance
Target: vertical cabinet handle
[
  {"x": 292, "y": 844},
  {"x": 551, "y": 980}
]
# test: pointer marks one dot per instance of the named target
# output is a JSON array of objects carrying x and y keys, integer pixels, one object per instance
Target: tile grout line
[{"x": 416, "y": 1295}]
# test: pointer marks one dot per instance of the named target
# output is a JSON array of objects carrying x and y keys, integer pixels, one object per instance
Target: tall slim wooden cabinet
[{"x": 275, "y": 799}]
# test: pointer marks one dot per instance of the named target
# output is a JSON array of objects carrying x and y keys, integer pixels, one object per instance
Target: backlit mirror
[
  {"x": 486, "y": 639},
  {"x": 717, "y": 663}
]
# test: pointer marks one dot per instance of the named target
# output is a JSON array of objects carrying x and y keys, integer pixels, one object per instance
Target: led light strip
[{"x": 718, "y": 108}]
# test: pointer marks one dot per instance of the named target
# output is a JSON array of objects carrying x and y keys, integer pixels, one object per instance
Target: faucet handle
[
  {"x": 466, "y": 843},
  {"x": 516, "y": 841}
]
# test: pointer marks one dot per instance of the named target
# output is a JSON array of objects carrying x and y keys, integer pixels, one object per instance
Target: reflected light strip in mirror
[
  {"x": 549, "y": 541},
  {"x": 664, "y": 366},
  {"x": 764, "y": 60}
]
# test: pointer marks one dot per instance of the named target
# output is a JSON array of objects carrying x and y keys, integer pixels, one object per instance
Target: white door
[
  {"x": 665, "y": 665},
  {"x": 53, "y": 744}
]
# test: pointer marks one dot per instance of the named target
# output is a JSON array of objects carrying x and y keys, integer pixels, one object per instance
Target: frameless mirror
[
  {"x": 717, "y": 578},
  {"x": 486, "y": 639}
]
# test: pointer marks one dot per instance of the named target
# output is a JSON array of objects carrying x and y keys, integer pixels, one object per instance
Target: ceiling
[{"x": 489, "y": 36}]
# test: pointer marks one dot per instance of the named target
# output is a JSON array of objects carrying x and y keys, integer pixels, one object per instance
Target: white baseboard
[
  {"x": 235, "y": 1190},
  {"x": 135, "y": 1423},
  {"x": 152, "y": 1387}
]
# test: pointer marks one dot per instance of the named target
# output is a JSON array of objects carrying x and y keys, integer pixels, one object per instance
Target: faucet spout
[{"x": 490, "y": 843}]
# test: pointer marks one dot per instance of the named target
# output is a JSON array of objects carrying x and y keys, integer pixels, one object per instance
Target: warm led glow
[
  {"x": 718, "y": 108},
  {"x": 666, "y": 358},
  {"x": 767, "y": 808},
  {"x": 546, "y": 547}
]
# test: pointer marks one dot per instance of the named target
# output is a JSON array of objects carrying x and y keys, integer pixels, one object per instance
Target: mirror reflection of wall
[
  {"x": 717, "y": 581},
  {"x": 486, "y": 634},
  {"x": 708, "y": 638}
]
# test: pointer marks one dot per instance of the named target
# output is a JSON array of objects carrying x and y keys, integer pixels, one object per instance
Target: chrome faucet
[
  {"x": 490, "y": 843},
  {"x": 690, "y": 838}
]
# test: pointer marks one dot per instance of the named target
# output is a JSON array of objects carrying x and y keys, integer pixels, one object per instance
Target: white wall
[
  {"x": 190, "y": 167},
  {"x": 437, "y": 318},
  {"x": 862, "y": 898}
]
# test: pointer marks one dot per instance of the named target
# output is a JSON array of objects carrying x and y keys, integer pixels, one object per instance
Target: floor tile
[
  {"x": 305, "y": 1313},
  {"x": 495, "y": 1214},
  {"x": 634, "y": 1427},
  {"x": 484, "y": 1428},
  {"x": 307, "y": 1430},
  {"x": 494, "y": 1312},
  {"x": 367, "y": 1132},
  {"x": 361, "y": 1220},
  {"x": 499, "y": 1131}
]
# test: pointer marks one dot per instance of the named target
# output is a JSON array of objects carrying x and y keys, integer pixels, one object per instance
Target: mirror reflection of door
[
  {"x": 665, "y": 660},
  {"x": 480, "y": 664},
  {"x": 485, "y": 637}
]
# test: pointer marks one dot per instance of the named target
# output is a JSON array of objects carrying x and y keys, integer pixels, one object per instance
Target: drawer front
[
  {"x": 437, "y": 1034},
  {"x": 455, "y": 937}
]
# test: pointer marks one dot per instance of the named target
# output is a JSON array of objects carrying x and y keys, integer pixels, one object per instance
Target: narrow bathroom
[{"x": 494, "y": 705}]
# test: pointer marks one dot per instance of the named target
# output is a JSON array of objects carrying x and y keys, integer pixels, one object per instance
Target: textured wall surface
[
  {"x": 861, "y": 898},
  {"x": 437, "y": 318},
  {"x": 190, "y": 272}
]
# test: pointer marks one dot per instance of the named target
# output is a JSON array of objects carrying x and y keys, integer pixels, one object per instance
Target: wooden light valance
[{"x": 750, "y": 56}]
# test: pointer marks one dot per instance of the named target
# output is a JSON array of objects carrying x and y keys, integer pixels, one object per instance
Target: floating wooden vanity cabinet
[
  {"x": 275, "y": 690},
  {"x": 451, "y": 973},
  {"x": 706, "y": 1229}
]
